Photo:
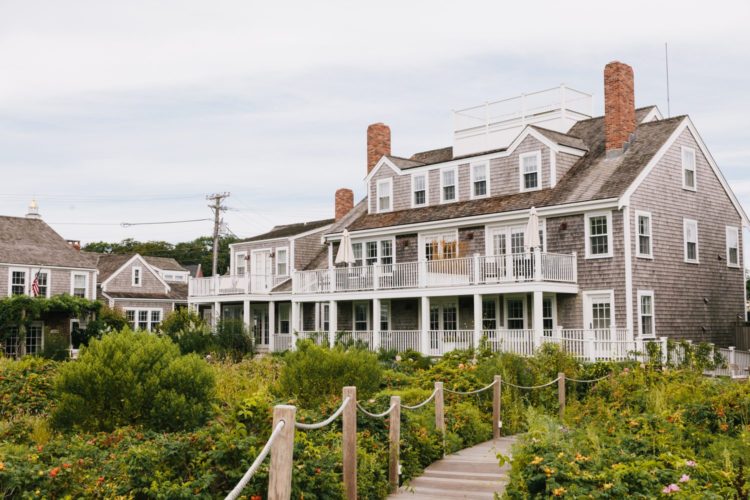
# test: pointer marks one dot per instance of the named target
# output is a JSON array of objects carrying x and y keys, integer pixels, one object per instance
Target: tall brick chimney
[
  {"x": 378, "y": 143},
  {"x": 344, "y": 202},
  {"x": 619, "y": 105}
]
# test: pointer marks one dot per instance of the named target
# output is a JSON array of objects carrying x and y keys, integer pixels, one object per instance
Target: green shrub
[
  {"x": 25, "y": 386},
  {"x": 108, "y": 320},
  {"x": 313, "y": 373},
  {"x": 188, "y": 330},
  {"x": 233, "y": 339},
  {"x": 56, "y": 345},
  {"x": 131, "y": 378}
]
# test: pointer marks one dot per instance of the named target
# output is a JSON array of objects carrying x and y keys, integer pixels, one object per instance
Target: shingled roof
[
  {"x": 593, "y": 177},
  {"x": 289, "y": 230},
  {"x": 31, "y": 242},
  {"x": 178, "y": 292},
  {"x": 109, "y": 263}
]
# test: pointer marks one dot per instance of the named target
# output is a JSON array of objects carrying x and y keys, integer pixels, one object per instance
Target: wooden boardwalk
[{"x": 470, "y": 473}]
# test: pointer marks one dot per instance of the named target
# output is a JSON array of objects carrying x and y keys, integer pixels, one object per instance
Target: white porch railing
[
  {"x": 477, "y": 270},
  {"x": 515, "y": 341},
  {"x": 319, "y": 338},
  {"x": 235, "y": 284},
  {"x": 401, "y": 340},
  {"x": 443, "y": 341}
]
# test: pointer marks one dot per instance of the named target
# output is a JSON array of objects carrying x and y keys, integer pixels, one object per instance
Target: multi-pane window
[
  {"x": 530, "y": 171},
  {"x": 434, "y": 318},
  {"x": 34, "y": 338},
  {"x": 325, "y": 312},
  {"x": 479, "y": 180},
  {"x": 548, "y": 321},
  {"x": 143, "y": 319},
  {"x": 371, "y": 257},
  {"x": 420, "y": 189},
  {"x": 240, "y": 263},
  {"x": 644, "y": 234},
  {"x": 385, "y": 316},
  {"x": 43, "y": 282},
  {"x": 440, "y": 246},
  {"x": 137, "y": 277},
  {"x": 18, "y": 283},
  {"x": 733, "y": 246},
  {"x": 598, "y": 235},
  {"x": 450, "y": 318},
  {"x": 284, "y": 322},
  {"x": 282, "y": 262},
  {"x": 515, "y": 314},
  {"x": 360, "y": 316},
  {"x": 155, "y": 319},
  {"x": 690, "y": 228},
  {"x": 374, "y": 252},
  {"x": 357, "y": 249},
  {"x": 79, "y": 285},
  {"x": 688, "y": 168},
  {"x": 489, "y": 314},
  {"x": 386, "y": 252},
  {"x": 384, "y": 195},
  {"x": 448, "y": 184},
  {"x": 11, "y": 342},
  {"x": 646, "y": 312},
  {"x": 601, "y": 315},
  {"x": 130, "y": 317}
]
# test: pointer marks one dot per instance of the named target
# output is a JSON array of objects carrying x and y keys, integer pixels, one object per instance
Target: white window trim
[
  {"x": 587, "y": 295},
  {"x": 137, "y": 310},
  {"x": 26, "y": 283},
  {"x": 73, "y": 275},
  {"x": 553, "y": 299},
  {"x": 736, "y": 231},
  {"x": 364, "y": 243},
  {"x": 140, "y": 276},
  {"x": 240, "y": 256},
  {"x": 486, "y": 179},
  {"x": 389, "y": 308},
  {"x": 525, "y": 310},
  {"x": 421, "y": 237},
  {"x": 367, "y": 312},
  {"x": 694, "y": 187},
  {"x": 650, "y": 254},
  {"x": 382, "y": 182},
  {"x": 455, "y": 184},
  {"x": 276, "y": 261},
  {"x": 538, "y": 155},
  {"x": 646, "y": 293},
  {"x": 426, "y": 189},
  {"x": 685, "y": 223},
  {"x": 49, "y": 280},
  {"x": 587, "y": 234},
  {"x": 491, "y": 230}
]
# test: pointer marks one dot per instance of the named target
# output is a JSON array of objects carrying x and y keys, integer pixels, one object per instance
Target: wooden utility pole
[{"x": 217, "y": 207}]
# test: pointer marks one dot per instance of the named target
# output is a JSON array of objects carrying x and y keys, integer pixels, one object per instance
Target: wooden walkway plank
[{"x": 470, "y": 473}]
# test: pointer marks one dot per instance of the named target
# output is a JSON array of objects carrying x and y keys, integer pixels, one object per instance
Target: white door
[
  {"x": 262, "y": 271},
  {"x": 507, "y": 247},
  {"x": 599, "y": 311}
]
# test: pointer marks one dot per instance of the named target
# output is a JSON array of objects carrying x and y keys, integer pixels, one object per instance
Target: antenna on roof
[{"x": 666, "y": 62}]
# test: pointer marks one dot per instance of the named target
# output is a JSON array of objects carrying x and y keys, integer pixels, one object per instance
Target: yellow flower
[
  {"x": 607, "y": 486},
  {"x": 560, "y": 455},
  {"x": 581, "y": 458},
  {"x": 537, "y": 461},
  {"x": 558, "y": 492},
  {"x": 2, "y": 466}
]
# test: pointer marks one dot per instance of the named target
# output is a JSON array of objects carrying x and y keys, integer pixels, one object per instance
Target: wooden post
[
  {"x": 497, "y": 422},
  {"x": 561, "y": 393},
  {"x": 440, "y": 411},
  {"x": 282, "y": 450},
  {"x": 349, "y": 445},
  {"x": 394, "y": 442}
]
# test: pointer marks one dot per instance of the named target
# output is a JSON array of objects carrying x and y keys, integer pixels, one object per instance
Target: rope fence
[
  {"x": 420, "y": 405},
  {"x": 256, "y": 464},
  {"x": 320, "y": 425},
  {"x": 375, "y": 415}
]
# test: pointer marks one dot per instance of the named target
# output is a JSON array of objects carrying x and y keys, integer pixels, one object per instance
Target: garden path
[{"x": 470, "y": 473}]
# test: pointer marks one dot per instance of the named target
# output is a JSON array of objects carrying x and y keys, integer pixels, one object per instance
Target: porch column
[
  {"x": 271, "y": 326},
  {"x": 375, "y": 324},
  {"x": 333, "y": 322},
  {"x": 477, "y": 320},
  {"x": 424, "y": 325},
  {"x": 295, "y": 323},
  {"x": 246, "y": 314},
  {"x": 217, "y": 314},
  {"x": 538, "y": 319}
]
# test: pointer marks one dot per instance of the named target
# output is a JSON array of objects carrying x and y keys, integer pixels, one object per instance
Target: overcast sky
[{"x": 115, "y": 111}]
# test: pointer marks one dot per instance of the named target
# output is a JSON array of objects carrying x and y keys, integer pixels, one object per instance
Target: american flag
[{"x": 35, "y": 285}]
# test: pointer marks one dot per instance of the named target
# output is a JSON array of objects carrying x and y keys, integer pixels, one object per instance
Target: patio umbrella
[
  {"x": 532, "y": 230},
  {"x": 345, "y": 254}
]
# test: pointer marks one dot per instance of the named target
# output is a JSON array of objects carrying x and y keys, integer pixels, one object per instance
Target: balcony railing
[
  {"x": 477, "y": 270},
  {"x": 235, "y": 284}
]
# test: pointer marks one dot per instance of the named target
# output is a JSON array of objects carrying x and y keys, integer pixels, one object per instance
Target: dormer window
[
  {"x": 282, "y": 262},
  {"x": 479, "y": 188},
  {"x": 419, "y": 188},
  {"x": 448, "y": 185},
  {"x": 385, "y": 195},
  {"x": 688, "y": 169},
  {"x": 240, "y": 260},
  {"x": 137, "y": 276},
  {"x": 529, "y": 166}
]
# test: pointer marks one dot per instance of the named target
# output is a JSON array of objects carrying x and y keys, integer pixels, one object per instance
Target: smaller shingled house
[{"x": 145, "y": 288}]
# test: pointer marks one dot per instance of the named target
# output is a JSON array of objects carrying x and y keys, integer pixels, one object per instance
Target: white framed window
[
  {"x": 385, "y": 315},
  {"x": 419, "y": 190},
  {"x": 448, "y": 185},
  {"x": 690, "y": 230},
  {"x": 284, "y": 323},
  {"x": 515, "y": 312},
  {"x": 42, "y": 277},
  {"x": 549, "y": 313},
  {"x": 385, "y": 195},
  {"x": 18, "y": 281},
  {"x": 143, "y": 319},
  {"x": 240, "y": 263},
  {"x": 688, "y": 169},
  {"x": 282, "y": 262},
  {"x": 489, "y": 314},
  {"x": 733, "y": 246},
  {"x": 373, "y": 252},
  {"x": 439, "y": 246},
  {"x": 480, "y": 181},
  {"x": 325, "y": 313},
  {"x": 137, "y": 276},
  {"x": 361, "y": 316},
  {"x": 530, "y": 166},
  {"x": 79, "y": 284},
  {"x": 646, "y": 313},
  {"x": 643, "y": 243},
  {"x": 598, "y": 229}
]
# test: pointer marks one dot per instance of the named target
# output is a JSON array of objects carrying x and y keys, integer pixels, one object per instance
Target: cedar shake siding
[
  {"x": 688, "y": 298},
  {"x": 306, "y": 248},
  {"x": 165, "y": 307},
  {"x": 59, "y": 280},
  {"x": 123, "y": 280},
  {"x": 250, "y": 247}
]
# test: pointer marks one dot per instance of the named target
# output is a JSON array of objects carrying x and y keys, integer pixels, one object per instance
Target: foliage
[
  {"x": 313, "y": 373},
  {"x": 188, "y": 330},
  {"x": 108, "y": 320},
  {"x": 56, "y": 345},
  {"x": 133, "y": 379},
  {"x": 233, "y": 339},
  {"x": 25, "y": 386}
]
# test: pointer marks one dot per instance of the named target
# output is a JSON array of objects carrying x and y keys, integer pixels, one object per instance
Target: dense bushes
[
  {"x": 25, "y": 386},
  {"x": 133, "y": 379}
]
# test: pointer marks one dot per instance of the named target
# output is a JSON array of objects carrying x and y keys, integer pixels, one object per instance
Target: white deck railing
[
  {"x": 477, "y": 270},
  {"x": 235, "y": 284}
]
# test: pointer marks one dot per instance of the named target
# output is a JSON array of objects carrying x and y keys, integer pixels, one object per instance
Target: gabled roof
[
  {"x": 178, "y": 292},
  {"x": 164, "y": 263},
  {"x": 289, "y": 230},
  {"x": 593, "y": 177},
  {"x": 31, "y": 242}
]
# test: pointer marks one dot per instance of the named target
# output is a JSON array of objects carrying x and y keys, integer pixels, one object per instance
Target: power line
[{"x": 129, "y": 224}]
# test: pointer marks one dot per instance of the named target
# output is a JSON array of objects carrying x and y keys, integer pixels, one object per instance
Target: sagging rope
[
  {"x": 415, "y": 407},
  {"x": 256, "y": 464},
  {"x": 320, "y": 425},
  {"x": 531, "y": 386},
  {"x": 376, "y": 415},
  {"x": 589, "y": 381},
  {"x": 470, "y": 392}
]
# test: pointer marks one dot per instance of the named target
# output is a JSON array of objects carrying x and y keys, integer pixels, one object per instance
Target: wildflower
[
  {"x": 561, "y": 454},
  {"x": 537, "y": 461},
  {"x": 558, "y": 492},
  {"x": 670, "y": 489},
  {"x": 2, "y": 466},
  {"x": 724, "y": 427},
  {"x": 54, "y": 472},
  {"x": 100, "y": 480},
  {"x": 690, "y": 463},
  {"x": 608, "y": 486},
  {"x": 685, "y": 478},
  {"x": 398, "y": 358},
  {"x": 66, "y": 466},
  {"x": 461, "y": 366},
  {"x": 582, "y": 458}
]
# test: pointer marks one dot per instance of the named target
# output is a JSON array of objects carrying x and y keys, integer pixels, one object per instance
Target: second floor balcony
[{"x": 234, "y": 284}]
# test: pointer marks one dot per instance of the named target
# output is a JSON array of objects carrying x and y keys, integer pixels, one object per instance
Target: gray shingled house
[{"x": 639, "y": 236}]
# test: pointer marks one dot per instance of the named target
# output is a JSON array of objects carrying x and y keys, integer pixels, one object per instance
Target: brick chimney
[
  {"x": 344, "y": 202},
  {"x": 378, "y": 143},
  {"x": 619, "y": 105}
]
